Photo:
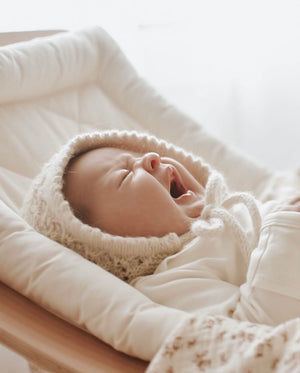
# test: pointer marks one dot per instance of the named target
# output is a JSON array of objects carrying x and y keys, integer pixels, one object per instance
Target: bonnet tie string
[{"x": 216, "y": 215}]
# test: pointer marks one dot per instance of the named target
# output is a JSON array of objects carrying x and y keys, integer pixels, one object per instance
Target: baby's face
[{"x": 130, "y": 194}]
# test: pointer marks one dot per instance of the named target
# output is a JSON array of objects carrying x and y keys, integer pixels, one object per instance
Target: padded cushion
[
  {"x": 79, "y": 291},
  {"x": 51, "y": 89}
]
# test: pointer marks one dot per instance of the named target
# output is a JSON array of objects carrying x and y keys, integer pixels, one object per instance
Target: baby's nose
[{"x": 150, "y": 161}]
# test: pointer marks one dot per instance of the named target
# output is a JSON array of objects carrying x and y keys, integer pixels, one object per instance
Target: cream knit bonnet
[{"x": 46, "y": 209}]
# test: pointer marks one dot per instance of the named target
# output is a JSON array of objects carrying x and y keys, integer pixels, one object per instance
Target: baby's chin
[{"x": 194, "y": 210}]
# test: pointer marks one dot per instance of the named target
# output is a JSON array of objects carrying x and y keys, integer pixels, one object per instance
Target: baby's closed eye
[{"x": 123, "y": 175}]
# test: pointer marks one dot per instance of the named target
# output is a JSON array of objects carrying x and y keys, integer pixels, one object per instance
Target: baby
[
  {"x": 163, "y": 220},
  {"x": 132, "y": 194}
]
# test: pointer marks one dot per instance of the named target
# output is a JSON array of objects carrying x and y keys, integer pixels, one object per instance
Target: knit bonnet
[{"x": 47, "y": 210}]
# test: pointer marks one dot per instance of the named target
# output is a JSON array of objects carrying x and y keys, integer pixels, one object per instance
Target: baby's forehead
[
  {"x": 104, "y": 154},
  {"x": 87, "y": 168},
  {"x": 100, "y": 158}
]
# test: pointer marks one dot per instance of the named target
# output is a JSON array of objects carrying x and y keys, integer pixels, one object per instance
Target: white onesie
[{"x": 236, "y": 266}]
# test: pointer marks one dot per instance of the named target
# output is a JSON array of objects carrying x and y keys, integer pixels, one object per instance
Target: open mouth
[{"x": 177, "y": 189}]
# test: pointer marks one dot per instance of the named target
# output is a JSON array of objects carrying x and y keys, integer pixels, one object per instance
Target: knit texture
[
  {"x": 216, "y": 215},
  {"x": 46, "y": 209}
]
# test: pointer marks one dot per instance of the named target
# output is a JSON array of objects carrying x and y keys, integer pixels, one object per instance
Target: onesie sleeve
[
  {"x": 203, "y": 276},
  {"x": 272, "y": 292}
]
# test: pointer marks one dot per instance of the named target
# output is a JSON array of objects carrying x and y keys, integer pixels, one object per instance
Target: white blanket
[{"x": 52, "y": 89}]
